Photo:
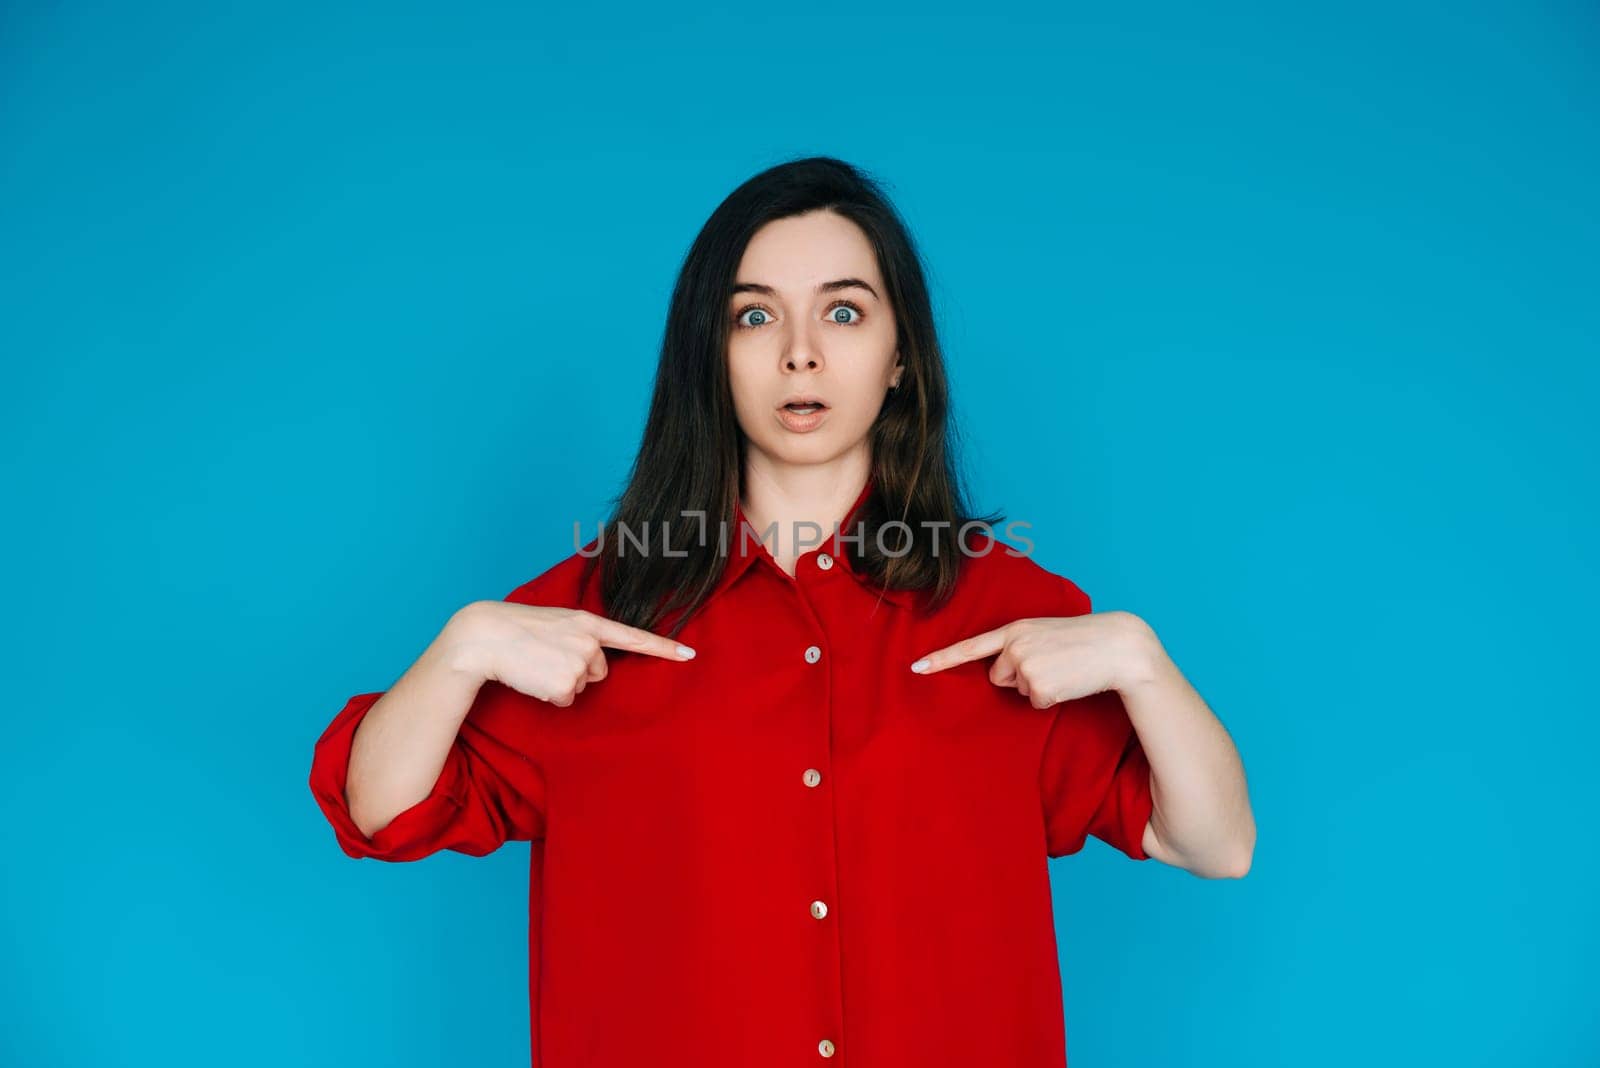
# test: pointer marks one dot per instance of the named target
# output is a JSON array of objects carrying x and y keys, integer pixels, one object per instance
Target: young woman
[{"x": 791, "y": 796}]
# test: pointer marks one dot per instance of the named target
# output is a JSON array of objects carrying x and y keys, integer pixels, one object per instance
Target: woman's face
[{"x": 809, "y": 315}]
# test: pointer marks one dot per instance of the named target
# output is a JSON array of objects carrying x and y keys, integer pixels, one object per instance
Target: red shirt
[{"x": 792, "y": 849}]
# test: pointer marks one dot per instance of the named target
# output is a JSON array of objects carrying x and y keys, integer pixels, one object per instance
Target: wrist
[
  {"x": 460, "y": 648},
  {"x": 1139, "y": 653}
]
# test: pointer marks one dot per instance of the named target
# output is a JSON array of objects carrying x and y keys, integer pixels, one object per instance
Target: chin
[{"x": 814, "y": 448}]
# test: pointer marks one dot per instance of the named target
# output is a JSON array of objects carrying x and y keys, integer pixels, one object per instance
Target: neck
[{"x": 793, "y": 495}]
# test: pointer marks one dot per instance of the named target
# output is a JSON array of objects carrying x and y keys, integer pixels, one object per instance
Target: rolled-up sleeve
[
  {"x": 1094, "y": 776},
  {"x": 492, "y": 787},
  {"x": 489, "y": 791}
]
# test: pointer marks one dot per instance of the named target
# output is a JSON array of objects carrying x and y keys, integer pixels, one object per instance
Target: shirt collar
[{"x": 753, "y": 549}]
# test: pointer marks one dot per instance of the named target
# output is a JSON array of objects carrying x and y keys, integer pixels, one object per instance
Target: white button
[
  {"x": 818, "y": 909},
  {"x": 812, "y": 776},
  {"x": 824, "y": 561},
  {"x": 825, "y": 1048},
  {"x": 813, "y": 654}
]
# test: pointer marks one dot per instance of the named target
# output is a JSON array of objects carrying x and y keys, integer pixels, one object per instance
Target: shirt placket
[{"x": 814, "y": 729}]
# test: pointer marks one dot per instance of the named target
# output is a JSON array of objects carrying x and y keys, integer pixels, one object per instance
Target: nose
[{"x": 802, "y": 354}]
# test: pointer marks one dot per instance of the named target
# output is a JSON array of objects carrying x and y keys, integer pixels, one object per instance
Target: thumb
[
  {"x": 597, "y": 666},
  {"x": 1003, "y": 672}
]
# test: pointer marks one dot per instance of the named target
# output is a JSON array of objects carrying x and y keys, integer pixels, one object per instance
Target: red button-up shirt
[{"x": 792, "y": 849}]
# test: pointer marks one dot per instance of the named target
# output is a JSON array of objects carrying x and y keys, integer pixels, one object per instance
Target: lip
[
  {"x": 801, "y": 398},
  {"x": 802, "y": 424}
]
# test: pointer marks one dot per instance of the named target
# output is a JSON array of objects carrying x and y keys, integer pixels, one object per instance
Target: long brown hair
[{"x": 692, "y": 447}]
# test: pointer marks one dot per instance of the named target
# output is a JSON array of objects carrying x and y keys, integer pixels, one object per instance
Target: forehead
[{"x": 796, "y": 253}]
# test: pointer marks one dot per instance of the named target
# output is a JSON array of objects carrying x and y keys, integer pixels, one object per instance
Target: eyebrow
[{"x": 825, "y": 287}]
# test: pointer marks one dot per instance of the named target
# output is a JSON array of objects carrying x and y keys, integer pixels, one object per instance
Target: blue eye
[{"x": 854, "y": 319}]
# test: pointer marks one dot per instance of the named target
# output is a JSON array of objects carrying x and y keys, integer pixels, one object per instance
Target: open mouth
[{"x": 804, "y": 409}]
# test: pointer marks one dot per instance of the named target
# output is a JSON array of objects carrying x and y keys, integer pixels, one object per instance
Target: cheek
[
  {"x": 747, "y": 388},
  {"x": 867, "y": 369},
  {"x": 870, "y": 350},
  {"x": 741, "y": 375}
]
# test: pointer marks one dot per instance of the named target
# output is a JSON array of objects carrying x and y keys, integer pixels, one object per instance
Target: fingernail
[
  {"x": 920, "y": 666},
  {"x": 686, "y": 652}
]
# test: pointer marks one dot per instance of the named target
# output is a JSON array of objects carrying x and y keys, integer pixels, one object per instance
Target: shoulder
[
  {"x": 571, "y": 582},
  {"x": 994, "y": 570}
]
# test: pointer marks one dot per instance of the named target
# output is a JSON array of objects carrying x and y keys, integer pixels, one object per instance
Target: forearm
[
  {"x": 401, "y": 745},
  {"x": 1201, "y": 802}
]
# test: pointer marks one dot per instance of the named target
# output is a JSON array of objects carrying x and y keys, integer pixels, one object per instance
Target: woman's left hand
[{"x": 1050, "y": 659}]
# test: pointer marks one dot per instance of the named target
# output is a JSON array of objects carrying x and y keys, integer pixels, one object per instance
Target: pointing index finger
[
  {"x": 976, "y": 647},
  {"x": 615, "y": 635}
]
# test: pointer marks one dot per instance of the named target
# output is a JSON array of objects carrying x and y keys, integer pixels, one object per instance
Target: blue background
[{"x": 1279, "y": 328}]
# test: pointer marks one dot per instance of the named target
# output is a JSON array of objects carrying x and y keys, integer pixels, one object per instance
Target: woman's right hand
[{"x": 546, "y": 652}]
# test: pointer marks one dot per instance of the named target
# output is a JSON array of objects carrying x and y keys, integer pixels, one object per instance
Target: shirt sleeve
[
  {"x": 491, "y": 789},
  {"x": 1094, "y": 776}
]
